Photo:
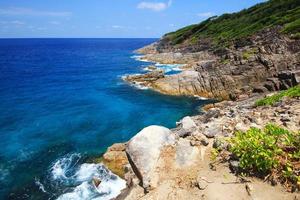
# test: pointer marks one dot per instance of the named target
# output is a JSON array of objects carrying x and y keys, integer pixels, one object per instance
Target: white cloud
[
  {"x": 155, "y": 6},
  {"x": 54, "y": 23},
  {"x": 31, "y": 12},
  {"x": 206, "y": 14},
  {"x": 14, "y": 22},
  {"x": 117, "y": 26}
]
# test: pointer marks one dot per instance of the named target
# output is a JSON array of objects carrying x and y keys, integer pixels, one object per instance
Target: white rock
[
  {"x": 188, "y": 123},
  {"x": 144, "y": 150},
  {"x": 185, "y": 153}
]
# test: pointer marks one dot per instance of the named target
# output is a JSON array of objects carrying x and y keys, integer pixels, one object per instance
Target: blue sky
[{"x": 107, "y": 18}]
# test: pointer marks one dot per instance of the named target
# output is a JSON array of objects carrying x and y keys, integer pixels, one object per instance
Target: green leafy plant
[
  {"x": 272, "y": 151},
  {"x": 271, "y": 100}
]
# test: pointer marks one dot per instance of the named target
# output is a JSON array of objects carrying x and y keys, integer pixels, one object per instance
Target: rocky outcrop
[
  {"x": 268, "y": 61},
  {"x": 144, "y": 151},
  {"x": 184, "y": 170},
  {"x": 115, "y": 159},
  {"x": 145, "y": 79},
  {"x": 176, "y": 164}
]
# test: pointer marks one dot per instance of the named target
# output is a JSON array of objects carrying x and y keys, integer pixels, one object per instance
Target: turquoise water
[{"x": 63, "y": 101}]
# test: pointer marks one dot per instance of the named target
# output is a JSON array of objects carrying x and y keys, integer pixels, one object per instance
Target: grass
[
  {"x": 228, "y": 27},
  {"x": 272, "y": 151},
  {"x": 271, "y": 100}
]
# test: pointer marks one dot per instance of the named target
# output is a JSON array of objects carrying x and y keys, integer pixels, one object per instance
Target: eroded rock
[{"x": 143, "y": 151}]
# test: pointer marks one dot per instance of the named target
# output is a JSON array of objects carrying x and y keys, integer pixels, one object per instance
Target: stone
[
  {"x": 115, "y": 159},
  {"x": 219, "y": 143},
  {"x": 96, "y": 181},
  {"x": 234, "y": 166},
  {"x": 204, "y": 141},
  {"x": 185, "y": 153},
  {"x": 188, "y": 123},
  {"x": 143, "y": 151},
  {"x": 187, "y": 127},
  {"x": 260, "y": 89},
  {"x": 202, "y": 185},
  {"x": 212, "y": 131},
  {"x": 117, "y": 147},
  {"x": 212, "y": 113}
]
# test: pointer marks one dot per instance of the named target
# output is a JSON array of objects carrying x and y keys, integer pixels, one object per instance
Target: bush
[
  {"x": 273, "y": 151},
  {"x": 292, "y": 92},
  {"x": 227, "y": 27}
]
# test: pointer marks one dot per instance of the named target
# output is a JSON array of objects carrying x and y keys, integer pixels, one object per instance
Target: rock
[
  {"x": 212, "y": 131},
  {"x": 202, "y": 185},
  {"x": 234, "y": 166},
  {"x": 96, "y": 181},
  {"x": 145, "y": 78},
  {"x": 152, "y": 67},
  {"x": 117, "y": 147},
  {"x": 219, "y": 143},
  {"x": 211, "y": 113},
  {"x": 187, "y": 127},
  {"x": 204, "y": 141},
  {"x": 260, "y": 89},
  {"x": 188, "y": 123},
  {"x": 143, "y": 151},
  {"x": 115, "y": 159},
  {"x": 185, "y": 153},
  {"x": 195, "y": 143}
]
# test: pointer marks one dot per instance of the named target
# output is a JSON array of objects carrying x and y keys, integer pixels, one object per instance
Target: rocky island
[{"x": 246, "y": 146}]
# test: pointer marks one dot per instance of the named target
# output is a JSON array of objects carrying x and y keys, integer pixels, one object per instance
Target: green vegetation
[
  {"x": 251, "y": 52},
  {"x": 271, "y": 100},
  {"x": 227, "y": 27},
  {"x": 272, "y": 151}
]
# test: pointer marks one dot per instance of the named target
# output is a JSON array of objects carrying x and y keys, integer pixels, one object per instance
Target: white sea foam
[
  {"x": 201, "y": 98},
  {"x": 139, "y": 58},
  {"x": 82, "y": 179},
  {"x": 139, "y": 86},
  {"x": 40, "y": 185},
  {"x": 62, "y": 166}
]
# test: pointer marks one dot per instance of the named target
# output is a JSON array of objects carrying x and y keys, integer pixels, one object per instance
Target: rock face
[
  {"x": 145, "y": 79},
  {"x": 184, "y": 169},
  {"x": 144, "y": 150},
  {"x": 115, "y": 159},
  {"x": 268, "y": 61}
]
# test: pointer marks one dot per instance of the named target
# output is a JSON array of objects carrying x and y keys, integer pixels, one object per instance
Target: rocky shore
[
  {"x": 266, "y": 61},
  {"x": 159, "y": 163}
]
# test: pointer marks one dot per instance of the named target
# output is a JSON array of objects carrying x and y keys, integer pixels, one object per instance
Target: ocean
[{"x": 63, "y": 102}]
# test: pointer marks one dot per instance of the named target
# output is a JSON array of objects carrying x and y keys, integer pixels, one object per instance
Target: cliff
[
  {"x": 255, "y": 50},
  {"x": 240, "y": 57}
]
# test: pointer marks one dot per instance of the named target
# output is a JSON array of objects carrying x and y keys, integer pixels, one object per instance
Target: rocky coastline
[
  {"x": 268, "y": 61},
  {"x": 159, "y": 163}
]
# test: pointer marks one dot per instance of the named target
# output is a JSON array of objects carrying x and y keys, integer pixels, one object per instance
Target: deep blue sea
[{"x": 63, "y": 102}]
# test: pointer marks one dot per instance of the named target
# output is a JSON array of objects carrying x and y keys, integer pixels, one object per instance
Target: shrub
[
  {"x": 272, "y": 151},
  {"x": 271, "y": 100}
]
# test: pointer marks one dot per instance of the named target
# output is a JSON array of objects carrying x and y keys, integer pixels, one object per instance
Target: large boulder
[
  {"x": 144, "y": 150},
  {"x": 115, "y": 159},
  {"x": 187, "y": 126}
]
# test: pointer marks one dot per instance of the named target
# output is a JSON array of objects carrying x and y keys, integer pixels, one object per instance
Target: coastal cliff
[
  {"x": 238, "y": 148},
  {"x": 259, "y": 53}
]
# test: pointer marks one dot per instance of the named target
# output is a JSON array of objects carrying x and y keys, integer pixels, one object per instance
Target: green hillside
[{"x": 226, "y": 27}]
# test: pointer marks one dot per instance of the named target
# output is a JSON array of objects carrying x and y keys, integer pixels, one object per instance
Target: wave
[
  {"x": 80, "y": 178},
  {"x": 139, "y": 58}
]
